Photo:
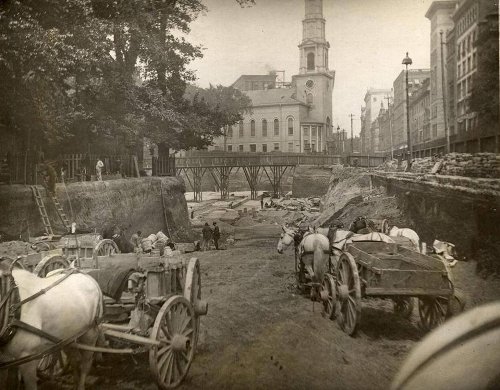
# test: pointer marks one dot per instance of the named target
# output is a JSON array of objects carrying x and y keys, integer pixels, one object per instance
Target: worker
[
  {"x": 135, "y": 240},
  {"x": 207, "y": 236},
  {"x": 262, "y": 202},
  {"x": 98, "y": 169},
  {"x": 50, "y": 177},
  {"x": 216, "y": 235}
]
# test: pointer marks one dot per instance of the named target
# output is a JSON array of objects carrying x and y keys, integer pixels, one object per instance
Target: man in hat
[
  {"x": 98, "y": 169},
  {"x": 216, "y": 234},
  {"x": 207, "y": 236}
]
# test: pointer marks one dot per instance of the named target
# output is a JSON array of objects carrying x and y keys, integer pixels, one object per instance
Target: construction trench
[{"x": 256, "y": 313}]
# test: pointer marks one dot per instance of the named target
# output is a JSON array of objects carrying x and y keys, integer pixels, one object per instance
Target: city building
[
  {"x": 440, "y": 16},
  {"x": 298, "y": 116},
  {"x": 415, "y": 79},
  {"x": 369, "y": 112},
  {"x": 386, "y": 125},
  {"x": 420, "y": 115}
]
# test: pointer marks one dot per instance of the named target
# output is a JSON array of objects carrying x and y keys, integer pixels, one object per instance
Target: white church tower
[{"x": 315, "y": 81}]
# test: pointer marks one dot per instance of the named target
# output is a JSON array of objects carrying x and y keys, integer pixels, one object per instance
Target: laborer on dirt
[
  {"x": 98, "y": 169},
  {"x": 135, "y": 240},
  {"x": 207, "y": 236},
  {"x": 216, "y": 236},
  {"x": 50, "y": 177},
  {"x": 262, "y": 202}
]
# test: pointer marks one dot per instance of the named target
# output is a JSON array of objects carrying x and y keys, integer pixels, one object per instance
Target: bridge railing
[{"x": 230, "y": 159}]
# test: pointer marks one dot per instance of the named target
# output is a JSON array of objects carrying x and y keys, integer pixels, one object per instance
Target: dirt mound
[{"x": 15, "y": 248}]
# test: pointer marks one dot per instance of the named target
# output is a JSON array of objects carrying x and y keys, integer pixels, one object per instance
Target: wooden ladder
[
  {"x": 42, "y": 210},
  {"x": 60, "y": 211}
]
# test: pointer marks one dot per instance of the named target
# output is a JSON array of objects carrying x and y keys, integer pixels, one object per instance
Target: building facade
[
  {"x": 369, "y": 112},
  {"x": 293, "y": 119},
  {"x": 420, "y": 117}
]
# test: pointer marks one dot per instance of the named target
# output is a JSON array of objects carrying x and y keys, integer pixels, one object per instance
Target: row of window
[
  {"x": 464, "y": 88},
  {"x": 466, "y": 45},
  {"x": 466, "y": 20},
  {"x": 467, "y": 65},
  {"x": 308, "y": 146},
  {"x": 276, "y": 128}
]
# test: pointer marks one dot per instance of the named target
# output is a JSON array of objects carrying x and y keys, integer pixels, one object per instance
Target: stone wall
[
  {"x": 485, "y": 165},
  {"x": 133, "y": 204}
]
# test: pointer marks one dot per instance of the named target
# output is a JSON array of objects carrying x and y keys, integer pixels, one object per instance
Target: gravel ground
[{"x": 260, "y": 334}]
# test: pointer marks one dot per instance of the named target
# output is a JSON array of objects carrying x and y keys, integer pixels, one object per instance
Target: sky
[{"x": 368, "y": 40}]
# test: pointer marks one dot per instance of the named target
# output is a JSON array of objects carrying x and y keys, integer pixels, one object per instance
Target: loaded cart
[
  {"x": 387, "y": 270},
  {"x": 164, "y": 319}
]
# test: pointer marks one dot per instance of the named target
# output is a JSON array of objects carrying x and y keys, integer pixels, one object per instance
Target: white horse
[
  {"x": 408, "y": 233},
  {"x": 65, "y": 310},
  {"x": 312, "y": 243}
]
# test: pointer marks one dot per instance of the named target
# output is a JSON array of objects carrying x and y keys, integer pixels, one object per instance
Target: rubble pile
[
  {"x": 309, "y": 205},
  {"x": 13, "y": 249}
]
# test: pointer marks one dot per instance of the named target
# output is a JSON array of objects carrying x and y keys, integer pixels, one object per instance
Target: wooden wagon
[
  {"x": 164, "y": 319},
  {"x": 387, "y": 270}
]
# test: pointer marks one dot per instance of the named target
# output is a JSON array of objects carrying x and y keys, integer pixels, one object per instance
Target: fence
[{"x": 164, "y": 166}]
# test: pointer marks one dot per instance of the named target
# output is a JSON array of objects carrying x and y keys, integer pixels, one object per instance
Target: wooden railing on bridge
[{"x": 266, "y": 159}]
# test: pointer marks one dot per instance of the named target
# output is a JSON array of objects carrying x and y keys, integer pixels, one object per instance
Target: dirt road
[{"x": 259, "y": 334}]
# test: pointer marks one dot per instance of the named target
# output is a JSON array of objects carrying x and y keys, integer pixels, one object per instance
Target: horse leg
[
  {"x": 89, "y": 338},
  {"x": 28, "y": 372}
]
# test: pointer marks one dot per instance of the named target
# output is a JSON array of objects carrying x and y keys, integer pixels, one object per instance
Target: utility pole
[
  {"x": 352, "y": 137},
  {"x": 388, "y": 98},
  {"x": 443, "y": 86}
]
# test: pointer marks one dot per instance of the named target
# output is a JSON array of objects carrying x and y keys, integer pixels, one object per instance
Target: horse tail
[{"x": 319, "y": 263}]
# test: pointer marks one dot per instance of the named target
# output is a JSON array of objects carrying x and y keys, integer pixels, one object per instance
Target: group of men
[{"x": 210, "y": 234}]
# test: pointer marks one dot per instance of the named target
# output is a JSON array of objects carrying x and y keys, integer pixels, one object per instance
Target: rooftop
[{"x": 273, "y": 96}]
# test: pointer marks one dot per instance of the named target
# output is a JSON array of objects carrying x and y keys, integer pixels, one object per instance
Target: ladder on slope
[
  {"x": 42, "y": 210},
  {"x": 60, "y": 212}
]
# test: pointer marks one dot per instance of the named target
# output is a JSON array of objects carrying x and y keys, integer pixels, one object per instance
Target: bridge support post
[
  {"x": 222, "y": 174},
  {"x": 198, "y": 174},
  {"x": 275, "y": 175},
  {"x": 252, "y": 175}
]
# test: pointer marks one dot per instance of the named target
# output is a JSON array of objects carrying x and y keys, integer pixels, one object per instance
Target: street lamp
[{"x": 407, "y": 61}]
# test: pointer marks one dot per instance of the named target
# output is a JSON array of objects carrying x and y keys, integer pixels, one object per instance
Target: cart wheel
[
  {"x": 174, "y": 328},
  {"x": 348, "y": 293},
  {"x": 55, "y": 364},
  {"x": 328, "y": 296},
  {"x": 106, "y": 247},
  {"x": 50, "y": 263},
  {"x": 192, "y": 292},
  {"x": 456, "y": 305},
  {"x": 403, "y": 306},
  {"x": 433, "y": 311}
]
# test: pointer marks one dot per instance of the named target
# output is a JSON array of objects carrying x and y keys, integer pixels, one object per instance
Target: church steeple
[{"x": 314, "y": 47}]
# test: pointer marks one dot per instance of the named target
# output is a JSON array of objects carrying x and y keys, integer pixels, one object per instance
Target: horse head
[{"x": 286, "y": 238}]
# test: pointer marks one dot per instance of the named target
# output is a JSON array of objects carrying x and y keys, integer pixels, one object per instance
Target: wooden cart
[
  {"x": 165, "y": 319},
  {"x": 386, "y": 270}
]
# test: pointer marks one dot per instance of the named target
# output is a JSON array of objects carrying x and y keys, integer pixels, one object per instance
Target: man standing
[
  {"x": 98, "y": 169},
  {"x": 262, "y": 202},
  {"x": 207, "y": 236},
  {"x": 135, "y": 240},
  {"x": 216, "y": 236}
]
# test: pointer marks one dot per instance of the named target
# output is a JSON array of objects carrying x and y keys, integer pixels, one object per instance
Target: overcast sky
[{"x": 368, "y": 39}]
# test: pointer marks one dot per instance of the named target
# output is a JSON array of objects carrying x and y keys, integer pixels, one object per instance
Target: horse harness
[{"x": 10, "y": 314}]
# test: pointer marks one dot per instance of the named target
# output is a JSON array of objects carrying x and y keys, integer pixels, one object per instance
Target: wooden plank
[
  {"x": 380, "y": 291},
  {"x": 131, "y": 337}
]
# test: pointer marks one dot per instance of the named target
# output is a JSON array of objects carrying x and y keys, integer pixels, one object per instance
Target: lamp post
[{"x": 407, "y": 61}]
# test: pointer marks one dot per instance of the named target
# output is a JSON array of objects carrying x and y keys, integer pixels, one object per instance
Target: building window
[
  {"x": 313, "y": 146},
  {"x": 309, "y": 98},
  {"x": 252, "y": 128},
  {"x": 305, "y": 131},
  {"x": 434, "y": 131},
  {"x": 264, "y": 128},
  {"x": 264, "y": 148},
  {"x": 276, "y": 146},
  {"x": 310, "y": 61},
  {"x": 313, "y": 131},
  {"x": 229, "y": 148},
  {"x": 290, "y": 147},
  {"x": 230, "y": 131},
  {"x": 276, "y": 127},
  {"x": 290, "y": 126},
  {"x": 240, "y": 148},
  {"x": 253, "y": 148},
  {"x": 241, "y": 129}
]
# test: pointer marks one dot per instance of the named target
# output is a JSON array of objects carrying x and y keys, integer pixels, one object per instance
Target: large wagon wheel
[
  {"x": 174, "y": 328},
  {"x": 50, "y": 263},
  {"x": 403, "y": 306},
  {"x": 433, "y": 311},
  {"x": 192, "y": 292},
  {"x": 348, "y": 294},
  {"x": 106, "y": 247},
  {"x": 328, "y": 296}
]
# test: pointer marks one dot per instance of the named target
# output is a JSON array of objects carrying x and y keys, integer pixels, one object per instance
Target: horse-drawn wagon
[
  {"x": 387, "y": 270},
  {"x": 164, "y": 319}
]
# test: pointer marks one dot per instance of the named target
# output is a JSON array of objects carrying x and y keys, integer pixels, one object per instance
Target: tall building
[
  {"x": 415, "y": 79},
  {"x": 420, "y": 109},
  {"x": 439, "y": 14},
  {"x": 293, "y": 119},
  {"x": 373, "y": 99}
]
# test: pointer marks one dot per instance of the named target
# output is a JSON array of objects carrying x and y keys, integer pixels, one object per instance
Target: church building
[{"x": 294, "y": 117}]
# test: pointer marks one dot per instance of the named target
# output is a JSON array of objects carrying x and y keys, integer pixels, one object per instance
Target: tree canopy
[{"x": 96, "y": 71}]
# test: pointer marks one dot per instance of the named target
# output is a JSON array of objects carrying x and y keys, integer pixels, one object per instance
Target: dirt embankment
[
  {"x": 133, "y": 204},
  {"x": 310, "y": 181}
]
